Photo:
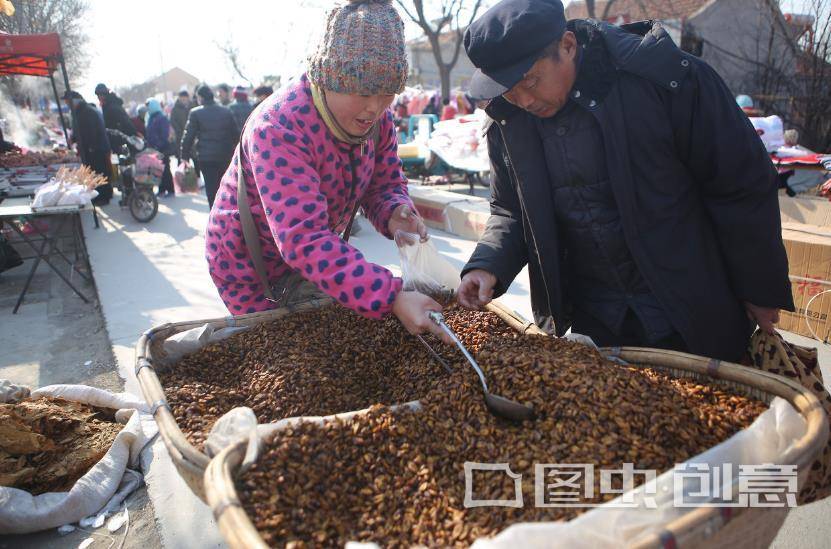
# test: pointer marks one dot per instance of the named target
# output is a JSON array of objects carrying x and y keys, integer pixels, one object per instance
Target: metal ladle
[{"x": 498, "y": 405}]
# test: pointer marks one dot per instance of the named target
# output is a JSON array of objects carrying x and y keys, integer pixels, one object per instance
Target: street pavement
[{"x": 150, "y": 274}]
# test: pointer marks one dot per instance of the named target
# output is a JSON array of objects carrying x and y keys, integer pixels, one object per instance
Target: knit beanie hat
[{"x": 362, "y": 51}]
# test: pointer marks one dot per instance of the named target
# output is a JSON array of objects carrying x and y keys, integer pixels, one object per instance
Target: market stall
[{"x": 32, "y": 55}]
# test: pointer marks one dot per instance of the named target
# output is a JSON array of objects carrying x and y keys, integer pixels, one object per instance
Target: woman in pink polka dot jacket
[{"x": 310, "y": 155}]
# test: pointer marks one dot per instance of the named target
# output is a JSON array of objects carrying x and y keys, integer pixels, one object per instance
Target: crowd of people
[{"x": 203, "y": 130}]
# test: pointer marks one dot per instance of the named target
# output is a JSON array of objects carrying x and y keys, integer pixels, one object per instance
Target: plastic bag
[
  {"x": 423, "y": 268},
  {"x": 48, "y": 194},
  {"x": 770, "y": 131},
  {"x": 190, "y": 341},
  {"x": 184, "y": 178},
  {"x": 235, "y": 424},
  {"x": 76, "y": 195}
]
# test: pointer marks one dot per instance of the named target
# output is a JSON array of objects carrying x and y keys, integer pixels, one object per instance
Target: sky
[{"x": 132, "y": 42}]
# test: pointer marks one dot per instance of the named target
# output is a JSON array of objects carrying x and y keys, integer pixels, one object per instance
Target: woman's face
[{"x": 357, "y": 113}]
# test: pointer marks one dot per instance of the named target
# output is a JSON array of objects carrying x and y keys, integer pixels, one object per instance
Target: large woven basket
[
  {"x": 702, "y": 527},
  {"x": 191, "y": 462}
]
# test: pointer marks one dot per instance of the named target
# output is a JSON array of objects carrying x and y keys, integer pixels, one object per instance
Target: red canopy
[{"x": 32, "y": 54}]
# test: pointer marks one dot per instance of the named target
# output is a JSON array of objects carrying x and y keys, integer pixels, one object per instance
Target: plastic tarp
[{"x": 30, "y": 54}]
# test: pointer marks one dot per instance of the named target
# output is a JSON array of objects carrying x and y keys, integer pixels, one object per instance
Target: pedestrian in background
[
  {"x": 179, "y": 117},
  {"x": 223, "y": 92},
  {"x": 261, "y": 93},
  {"x": 90, "y": 136},
  {"x": 448, "y": 112},
  {"x": 138, "y": 120},
  {"x": 240, "y": 108},
  {"x": 115, "y": 116},
  {"x": 213, "y": 130},
  {"x": 158, "y": 137}
]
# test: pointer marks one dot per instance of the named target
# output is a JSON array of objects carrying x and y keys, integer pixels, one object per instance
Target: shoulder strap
[{"x": 249, "y": 230}]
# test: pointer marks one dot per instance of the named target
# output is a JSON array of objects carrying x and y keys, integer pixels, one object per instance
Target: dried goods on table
[
  {"x": 47, "y": 444},
  {"x": 19, "y": 159},
  {"x": 397, "y": 478}
]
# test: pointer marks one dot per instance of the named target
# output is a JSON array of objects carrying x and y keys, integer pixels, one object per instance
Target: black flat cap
[{"x": 507, "y": 40}]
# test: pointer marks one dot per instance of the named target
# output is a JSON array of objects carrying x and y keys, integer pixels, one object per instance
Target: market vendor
[
  {"x": 7, "y": 146},
  {"x": 312, "y": 154},
  {"x": 90, "y": 136},
  {"x": 628, "y": 180}
]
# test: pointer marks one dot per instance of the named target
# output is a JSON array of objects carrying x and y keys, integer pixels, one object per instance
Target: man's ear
[{"x": 568, "y": 45}]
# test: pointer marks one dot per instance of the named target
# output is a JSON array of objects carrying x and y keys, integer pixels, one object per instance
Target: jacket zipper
[{"x": 530, "y": 227}]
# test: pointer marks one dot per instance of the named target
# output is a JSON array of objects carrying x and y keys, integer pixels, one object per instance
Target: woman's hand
[
  {"x": 403, "y": 218},
  {"x": 412, "y": 309}
]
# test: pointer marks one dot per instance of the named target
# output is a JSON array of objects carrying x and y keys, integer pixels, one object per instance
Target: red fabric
[
  {"x": 810, "y": 159},
  {"x": 448, "y": 113},
  {"x": 32, "y": 54}
]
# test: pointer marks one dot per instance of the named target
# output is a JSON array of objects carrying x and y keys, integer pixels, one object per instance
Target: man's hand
[
  {"x": 764, "y": 317},
  {"x": 405, "y": 219},
  {"x": 412, "y": 309},
  {"x": 476, "y": 289}
]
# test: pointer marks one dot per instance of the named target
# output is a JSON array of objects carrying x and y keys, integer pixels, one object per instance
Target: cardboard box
[
  {"x": 809, "y": 257},
  {"x": 806, "y": 210}
]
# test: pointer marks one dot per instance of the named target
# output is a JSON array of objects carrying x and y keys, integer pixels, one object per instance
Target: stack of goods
[
  {"x": 21, "y": 159},
  {"x": 47, "y": 444},
  {"x": 397, "y": 477},
  {"x": 69, "y": 187}
]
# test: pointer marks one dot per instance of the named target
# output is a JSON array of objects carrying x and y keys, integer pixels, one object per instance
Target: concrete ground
[
  {"x": 57, "y": 338},
  {"x": 156, "y": 273}
]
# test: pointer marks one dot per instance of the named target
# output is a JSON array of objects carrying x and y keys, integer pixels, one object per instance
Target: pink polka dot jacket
[{"x": 301, "y": 192}]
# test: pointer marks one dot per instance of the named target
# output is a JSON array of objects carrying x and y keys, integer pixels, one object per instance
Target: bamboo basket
[
  {"x": 191, "y": 462},
  {"x": 701, "y": 527}
]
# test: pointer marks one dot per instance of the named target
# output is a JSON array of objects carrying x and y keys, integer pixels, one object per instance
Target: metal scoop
[{"x": 499, "y": 406}]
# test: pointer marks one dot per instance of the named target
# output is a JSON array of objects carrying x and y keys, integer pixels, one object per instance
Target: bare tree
[
  {"x": 232, "y": 54},
  {"x": 812, "y": 106},
  {"x": 453, "y": 17},
  {"x": 794, "y": 79},
  {"x": 64, "y": 17}
]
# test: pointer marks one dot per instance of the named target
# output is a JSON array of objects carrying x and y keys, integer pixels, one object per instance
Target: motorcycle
[{"x": 138, "y": 174}]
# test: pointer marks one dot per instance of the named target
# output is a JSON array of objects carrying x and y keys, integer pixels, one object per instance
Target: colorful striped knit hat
[{"x": 362, "y": 51}]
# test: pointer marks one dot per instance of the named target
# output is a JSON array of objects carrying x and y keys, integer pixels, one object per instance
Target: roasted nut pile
[
  {"x": 313, "y": 363},
  {"x": 397, "y": 477}
]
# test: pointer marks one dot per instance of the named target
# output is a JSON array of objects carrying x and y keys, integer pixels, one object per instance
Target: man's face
[
  {"x": 544, "y": 89},
  {"x": 100, "y": 98},
  {"x": 223, "y": 95},
  {"x": 184, "y": 99}
]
